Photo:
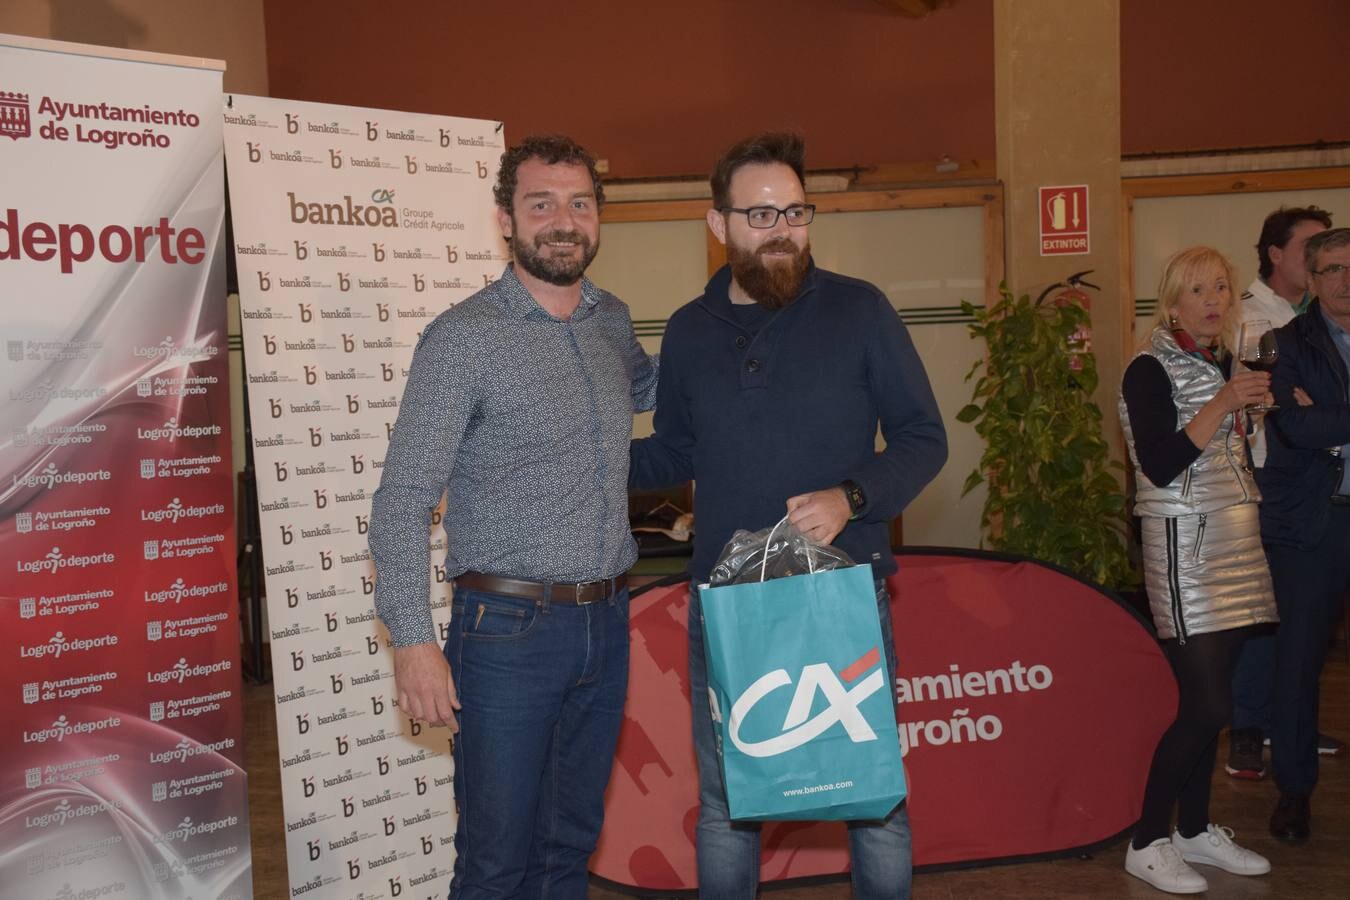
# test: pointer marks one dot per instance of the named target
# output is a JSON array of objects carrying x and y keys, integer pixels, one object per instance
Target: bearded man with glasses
[{"x": 773, "y": 384}]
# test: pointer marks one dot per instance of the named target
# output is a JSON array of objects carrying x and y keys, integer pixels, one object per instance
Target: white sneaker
[
  {"x": 1215, "y": 847},
  {"x": 1161, "y": 865}
]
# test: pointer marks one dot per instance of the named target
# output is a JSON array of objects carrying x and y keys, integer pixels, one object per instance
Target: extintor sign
[{"x": 1064, "y": 220}]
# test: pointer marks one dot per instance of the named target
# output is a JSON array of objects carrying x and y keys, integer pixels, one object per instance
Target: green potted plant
[{"x": 1053, "y": 492}]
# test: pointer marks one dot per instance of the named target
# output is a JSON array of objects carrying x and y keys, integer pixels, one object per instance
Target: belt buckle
[{"x": 579, "y": 586}]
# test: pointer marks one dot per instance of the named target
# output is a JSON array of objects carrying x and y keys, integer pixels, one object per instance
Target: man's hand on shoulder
[
  {"x": 425, "y": 685},
  {"x": 820, "y": 515}
]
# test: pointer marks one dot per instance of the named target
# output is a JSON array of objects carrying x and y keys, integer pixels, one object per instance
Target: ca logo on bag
[{"x": 841, "y": 705}]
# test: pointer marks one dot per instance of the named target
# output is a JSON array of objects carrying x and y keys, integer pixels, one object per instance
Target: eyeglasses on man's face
[
  {"x": 1335, "y": 270},
  {"x": 767, "y": 216}
]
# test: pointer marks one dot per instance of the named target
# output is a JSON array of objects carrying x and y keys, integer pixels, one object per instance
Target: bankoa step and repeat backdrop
[{"x": 353, "y": 229}]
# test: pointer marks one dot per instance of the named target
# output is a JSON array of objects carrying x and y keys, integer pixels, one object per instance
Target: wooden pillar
[{"x": 1057, "y": 107}]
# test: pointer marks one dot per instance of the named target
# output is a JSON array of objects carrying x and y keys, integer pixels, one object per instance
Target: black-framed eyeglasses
[
  {"x": 767, "y": 216},
  {"x": 1332, "y": 270}
]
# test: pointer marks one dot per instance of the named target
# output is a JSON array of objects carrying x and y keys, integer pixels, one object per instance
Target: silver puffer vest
[
  {"x": 1204, "y": 567},
  {"x": 1219, "y": 477}
]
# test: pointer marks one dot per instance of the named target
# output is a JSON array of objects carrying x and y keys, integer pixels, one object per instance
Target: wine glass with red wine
[{"x": 1258, "y": 350}]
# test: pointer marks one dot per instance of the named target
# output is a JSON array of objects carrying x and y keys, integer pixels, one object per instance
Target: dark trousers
[
  {"x": 542, "y": 687},
  {"x": 1253, "y": 681},
  {"x": 1309, "y": 587}
]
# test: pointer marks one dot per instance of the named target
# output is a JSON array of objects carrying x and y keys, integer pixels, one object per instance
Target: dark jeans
[
  {"x": 1253, "y": 682},
  {"x": 728, "y": 852},
  {"x": 1309, "y": 587},
  {"x": 542, "y": 688}
]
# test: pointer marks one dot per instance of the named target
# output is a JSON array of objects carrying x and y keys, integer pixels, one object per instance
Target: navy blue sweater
[{"x": 756, "y": 419}]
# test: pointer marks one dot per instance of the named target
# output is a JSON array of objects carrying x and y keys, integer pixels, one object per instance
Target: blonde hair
[{"x": 1186, "y": 268}]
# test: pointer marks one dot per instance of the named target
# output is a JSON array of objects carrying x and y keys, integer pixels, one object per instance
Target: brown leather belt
[{"x": 570, "y": 593}]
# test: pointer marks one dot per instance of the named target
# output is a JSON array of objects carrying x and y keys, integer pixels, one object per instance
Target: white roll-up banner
[{"x": 353, "y": 229}]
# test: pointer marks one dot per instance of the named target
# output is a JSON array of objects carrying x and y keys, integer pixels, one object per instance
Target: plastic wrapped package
[{"x": 776, "y": 552}]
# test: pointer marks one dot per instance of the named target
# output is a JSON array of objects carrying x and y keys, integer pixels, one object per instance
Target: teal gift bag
[{"x": 801, "y": 705}]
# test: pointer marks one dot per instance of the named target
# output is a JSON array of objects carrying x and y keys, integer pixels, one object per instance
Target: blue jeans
[
  {"x": 728, "y": 852},
  {"x": 542, "y": 688}
]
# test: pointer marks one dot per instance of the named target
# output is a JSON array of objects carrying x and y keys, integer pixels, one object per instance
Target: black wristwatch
[{"x": 857, "y": 500}]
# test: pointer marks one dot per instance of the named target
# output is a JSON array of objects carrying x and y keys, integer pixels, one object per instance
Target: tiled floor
[{"x": 1321, "y": 868}]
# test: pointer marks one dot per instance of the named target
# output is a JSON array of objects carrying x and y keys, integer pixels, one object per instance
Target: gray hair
[{"x": 1331, "y": 239}]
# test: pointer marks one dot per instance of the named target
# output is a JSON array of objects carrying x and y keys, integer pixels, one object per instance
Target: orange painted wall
[
  {"x": 1206, "y": 74},
  {"x": 659, "y": 87}
]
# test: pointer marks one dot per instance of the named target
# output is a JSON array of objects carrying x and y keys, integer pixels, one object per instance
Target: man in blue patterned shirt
[{"x": 519, "y": 408}]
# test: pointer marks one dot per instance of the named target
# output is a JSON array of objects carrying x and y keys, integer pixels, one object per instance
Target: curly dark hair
[
  {"x": 1278, "y": 228},
  {"x": 770, "y": 147},
  {"x": 548, "y": 148}
]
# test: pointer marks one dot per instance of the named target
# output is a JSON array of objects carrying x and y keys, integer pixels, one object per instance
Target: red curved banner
[{"x": 1029, "y": 706}]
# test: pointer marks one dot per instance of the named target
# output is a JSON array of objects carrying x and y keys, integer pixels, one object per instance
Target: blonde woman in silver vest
[{"x": 1205, "y": 571}]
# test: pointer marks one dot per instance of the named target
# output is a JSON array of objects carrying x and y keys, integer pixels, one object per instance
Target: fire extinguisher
[
  {"x": 1070, "y": 292},
  {"x": 1058, "y": 215}
]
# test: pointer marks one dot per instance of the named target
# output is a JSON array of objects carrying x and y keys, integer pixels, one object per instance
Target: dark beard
[
  {"x": 555, "y": 270},
  {"x": 771, "y": 286}
]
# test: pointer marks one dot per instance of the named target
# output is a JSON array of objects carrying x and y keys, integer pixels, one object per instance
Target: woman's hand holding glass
[
  {"x": 1245, "y": 388},
  {"x": 1258, "y": 349}
]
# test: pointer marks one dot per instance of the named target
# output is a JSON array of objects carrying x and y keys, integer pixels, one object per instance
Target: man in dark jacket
[
  {"x": 773, "y": 384},
  {"x": 1305, "y": 517}
]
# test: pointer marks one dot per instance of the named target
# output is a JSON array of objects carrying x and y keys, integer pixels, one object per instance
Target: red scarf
[{"x": 1188, "y": 344}]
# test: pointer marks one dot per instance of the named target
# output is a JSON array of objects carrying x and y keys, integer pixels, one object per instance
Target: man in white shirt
[
  {"x": 1280, "y": 290},
  {"x": 1278, "y": 294}
]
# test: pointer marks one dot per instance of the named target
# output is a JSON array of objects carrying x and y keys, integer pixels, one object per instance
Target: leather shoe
[{"x": 1289, "y": 821}]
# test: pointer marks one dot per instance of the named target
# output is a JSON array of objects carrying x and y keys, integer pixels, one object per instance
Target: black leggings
[{"x": 1183, "y": 763}]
